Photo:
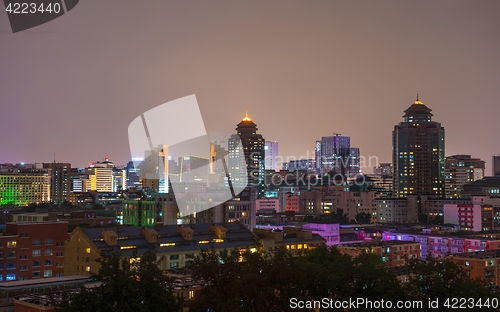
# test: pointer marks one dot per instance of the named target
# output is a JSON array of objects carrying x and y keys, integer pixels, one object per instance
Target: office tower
[
  {"x": 105, "y": 177},
  {"x": 461, "y": 170},
  {"x": 332, "y": 154},
  {"x": 60, "y": 182},
  {"x": 271, "y": 158},
  {"x": 133, "y": 174},
  {"x": 354, "y": 162},
  {"x": 22, "y": 186},
  {"x": 253, "y": 149},
  {"x": 418, "y": 153},
  {"x": 496, "y": 165}
]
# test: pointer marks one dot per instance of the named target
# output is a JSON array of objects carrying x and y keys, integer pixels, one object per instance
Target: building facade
[
  {"x": 271, "y": 161},
  {"x": 461, "y": 170},
  {"x": 23, "y": 186},
  {"x": 418, "y": 153},
  {"x": 32, "y": 250}
]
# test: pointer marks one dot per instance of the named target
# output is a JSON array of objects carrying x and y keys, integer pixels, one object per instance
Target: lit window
[
  {"x": 11, "y": 244},
  {"x": 88, "y": 250}
]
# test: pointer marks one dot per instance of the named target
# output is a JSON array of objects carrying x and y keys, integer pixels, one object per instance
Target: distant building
[
  {"x": 487, "y": 186},
  {"x": 383, "y": 169},
  {"x": 332, "y": 154},
  {"x": 354, "y": 162},
  {"x": 271, "y": 156},
  {"x": 473, "y": 217},
  {"x": 418, "y": 153},
  {"x": 308, "y": 165},
  {"x": 23, "y": 186},
  {"x": 496, "y": 165},
  {"x": 33, "y": 250},
  {"x": 461, "y": 170},
  {"x": 253, "y": 149},
  {"x": 60, "y": 181}
]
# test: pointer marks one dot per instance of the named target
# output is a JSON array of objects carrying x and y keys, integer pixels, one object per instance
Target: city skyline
[{"x": 302, "y": 71}]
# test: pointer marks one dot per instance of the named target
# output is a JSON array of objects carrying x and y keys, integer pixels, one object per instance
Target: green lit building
[
  {"x": 21, "y": 186},
  {"x": 140, "y": 212},
  {"x": 418, "y": 153}
]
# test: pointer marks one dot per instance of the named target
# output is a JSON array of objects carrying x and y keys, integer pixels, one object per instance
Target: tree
[
  {"x": 441, "y": 279},
  {"x": 363, "y": 218},
  {"x": 135, "y": 284}
]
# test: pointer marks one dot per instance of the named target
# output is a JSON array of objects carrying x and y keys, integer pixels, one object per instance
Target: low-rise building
[
  {"x": 482, "y": 264},
  {"x": 177, "y": 244},
  {"x": 392, "y": 253},
  {"x": 32, "y": 250}
]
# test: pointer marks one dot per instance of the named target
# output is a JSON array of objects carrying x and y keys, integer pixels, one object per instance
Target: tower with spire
[
  {"x": 418, "y": 153},
  {"x": 253, "y": 148}
]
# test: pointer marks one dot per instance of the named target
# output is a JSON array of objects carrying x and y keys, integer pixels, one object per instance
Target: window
[
  {"x": 48, "y": 252},
  {"x": 174, "y": 265},
  {"x": 23, "y": 268},
  {"x": 174, "y": 257},
  {"x": 35, "y": 274},
  {"x": 59, "y": 254},
  {"x": 23, "y": 257},
  {"x": 37, "y": 242},
  {"x": 47, "y": 273},
  {"x": 88, "y": 250},
  {"x": 36, "y": 263},
  {"x": 36, "y": 252},
  {"x": 87, "y": 269},
  {"x": 11, "y": 254},
  {"x": 191, "y": 294},
  {"x": 11, "y": 266},
  {"x": 47, "y": 262},
  {"x": 49, "y": 241},
  {"x": 11, "y": 244},
  {"x": 10, "y": 277}
]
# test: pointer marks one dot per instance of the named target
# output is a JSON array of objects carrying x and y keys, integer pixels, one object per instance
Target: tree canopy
[{"x": 127, "y": 285}]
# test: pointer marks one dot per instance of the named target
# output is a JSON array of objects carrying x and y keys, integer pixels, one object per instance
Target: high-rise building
[
  {"x": 105, "y": 177},
  {"x": 253, "y": 149},
  {"x": 496, "y": 165},
  {"x": 461, "y": 170},
  {"x": 332, "y": 154},
  {"x": 60, "y": 182},
  {"x": 418, "y": 153},
  {"x": 271, "y": 158},
  {"x": 354, "y": 162}
]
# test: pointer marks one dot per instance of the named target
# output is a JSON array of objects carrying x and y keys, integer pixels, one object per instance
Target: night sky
[{"x": 302, "y": 69}]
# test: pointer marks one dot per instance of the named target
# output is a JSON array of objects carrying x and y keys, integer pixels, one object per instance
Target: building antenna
[{"x": 54, "y": 158}]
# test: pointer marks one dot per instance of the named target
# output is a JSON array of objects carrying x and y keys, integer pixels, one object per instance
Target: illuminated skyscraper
[
  {"x": 253, "y": 149},
  {"x": 418, "y": 153}
]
